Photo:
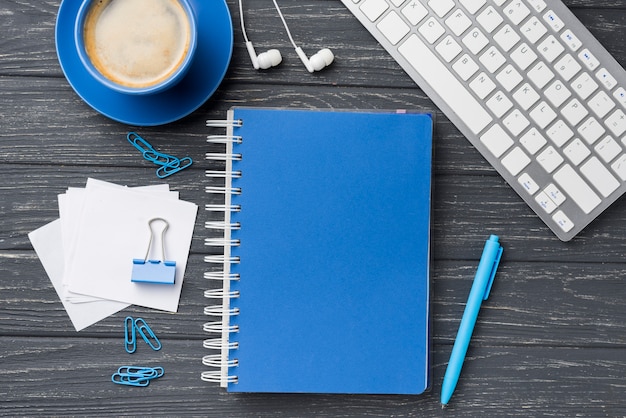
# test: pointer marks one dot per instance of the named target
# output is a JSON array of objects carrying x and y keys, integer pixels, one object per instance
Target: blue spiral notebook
[{"x": 326, "y": 264}]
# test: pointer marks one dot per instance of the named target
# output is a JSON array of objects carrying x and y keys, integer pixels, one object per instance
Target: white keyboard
[{"x": 528, "y": 85}]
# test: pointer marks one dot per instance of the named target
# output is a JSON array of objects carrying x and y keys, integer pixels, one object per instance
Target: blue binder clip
[{"x": 146, "y": 270}]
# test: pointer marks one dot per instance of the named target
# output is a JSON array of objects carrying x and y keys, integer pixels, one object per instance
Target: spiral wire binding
[{"x": 224, "y": 311}]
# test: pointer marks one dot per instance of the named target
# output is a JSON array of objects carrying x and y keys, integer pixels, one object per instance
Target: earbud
[
  {"x": 322, "y": 59},
  {"x": 265, "y": 60}
]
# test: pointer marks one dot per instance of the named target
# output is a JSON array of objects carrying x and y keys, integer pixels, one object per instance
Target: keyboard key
[
  {"x": 373, "y": 9},
  {"x": 559, "y": 133},
  {"x": 515, "y": 161},
  {"x": 574, "y": 112},
  {"x": 590, "y": 61},
  {"x": 549, "y": 159},
  {"x": 475, "y": 41},
  {"x": 496, "y": 140},
  {"x": 533, "y": 141},
  {"x": 473, "y": 6},
  {"x": 553, "y": 21},
  {"x": 482, "y": 85},
  {"x": 499, "y": 104},
  {"x": 538, "y": 5},
  {"x": 555, "y": 194},
  {"x": 414, "y": 12},
  {"x": 540, "y": 74},
  {"x": 550, "y": 48},
  {"x": 617, "y": 122},
  {"x": 523, "y": 56},
  {"x": 571, "y": 40},
  {"x": 545, "y": 202},
  {"x": 393, "y": 27},
  {"x": 465, "y": 67},
  {"x": 606, "y": 78},
  {"x": 458, "y": 22},
  {"x": 516, "y": 11},
  {"x": 543, "y": 114},
  {"x": 576, "y": 151},
  {"x": 533, "y": 30},
  {"x": 516, "y": 122},
  {"x": 620, "y": 96},
  {"x": 619, "y": 166},
  {"x": 601, "y": 104},
  {"x": 608, "y": 149},
  {"x": 599, "y": 176},
  {"x": 574, "y": 186},
  {"x": 567, "y": 67},
  {"x": 449, "y": 49},
  {"x": 528, "y": 183},
  {"x": 442, "y": 81},
  {"x": 432, "y": 30},
  {"x": 492, "y": 59},
  {"x": 441, "y": 7},
  {"x": 489, "y": 19},
  {"x": 506, "y": 37},
  {"x": 526, "y": 96},
  {"x": 563, "y": 221},
  {"x": 591, "y": 130},
  {"x": 557, "y": 93},
  {"x": 509, "y": 77},
  {"x": 584, "y": 85}
]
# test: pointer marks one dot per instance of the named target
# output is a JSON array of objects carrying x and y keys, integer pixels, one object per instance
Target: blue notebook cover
[{"x": 334, "y": 248}]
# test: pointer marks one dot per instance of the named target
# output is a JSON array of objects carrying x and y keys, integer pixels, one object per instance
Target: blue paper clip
[
  {"x": 159, "y": 158},
  {"x": 169, "y": 169},
  {"x": 146, "y": 372},
  {"x": 169, "y": 164},
  {"x": 138, "y": 142},
  {"x": 130, "y": 341},
  {"x": 147, "y": 270},
  {"x": 129, "y": 380},
  {"x": 147, "y": 334},
  {"x": 136, "y": 375}
]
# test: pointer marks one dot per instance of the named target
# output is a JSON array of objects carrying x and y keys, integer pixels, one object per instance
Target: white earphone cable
[
  {"x": 280, "y": 13},
  {"x": 243, "y": 26}
]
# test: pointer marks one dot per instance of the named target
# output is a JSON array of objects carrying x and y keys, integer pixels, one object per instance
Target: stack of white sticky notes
[{"x": 88, "y": 253}]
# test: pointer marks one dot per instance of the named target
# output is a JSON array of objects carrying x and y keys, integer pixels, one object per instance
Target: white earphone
[
  {"x": 264, "y": 60},
  {"x": 320, "y": 60}
]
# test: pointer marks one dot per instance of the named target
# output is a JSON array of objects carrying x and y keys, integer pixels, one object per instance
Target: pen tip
[{"x": 444, "y": 406}]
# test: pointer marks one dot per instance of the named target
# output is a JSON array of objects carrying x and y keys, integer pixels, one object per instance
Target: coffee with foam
[{"x": 137, "y": 43}]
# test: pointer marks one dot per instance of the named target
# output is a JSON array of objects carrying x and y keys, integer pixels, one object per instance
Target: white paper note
[
  {"x": 47, "y": 242},
  {"x": 113, "y": 230}
]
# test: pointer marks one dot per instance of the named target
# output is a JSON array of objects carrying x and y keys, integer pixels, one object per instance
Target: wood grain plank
[
  {"x": 40, "y": 378},
  {"x": 538, "y": 304},
  {"x": 466, "y": 209},
  {"x": 327, "y": 24}
]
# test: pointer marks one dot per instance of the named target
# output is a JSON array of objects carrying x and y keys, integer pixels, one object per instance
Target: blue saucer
[{"x": 213, "y": 53}]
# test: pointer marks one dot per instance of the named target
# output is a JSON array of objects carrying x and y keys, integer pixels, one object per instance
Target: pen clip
[{"x": 492, "y": 276}]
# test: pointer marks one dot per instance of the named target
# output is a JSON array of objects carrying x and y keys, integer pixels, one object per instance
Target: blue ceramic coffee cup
[{"x": 136, "y": 46}]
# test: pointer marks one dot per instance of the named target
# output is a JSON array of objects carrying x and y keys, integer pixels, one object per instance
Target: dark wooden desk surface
[{"x": 551, "y": 340}]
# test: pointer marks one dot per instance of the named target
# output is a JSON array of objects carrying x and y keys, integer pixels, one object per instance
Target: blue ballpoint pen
[{"x": 480, "y": 291}]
